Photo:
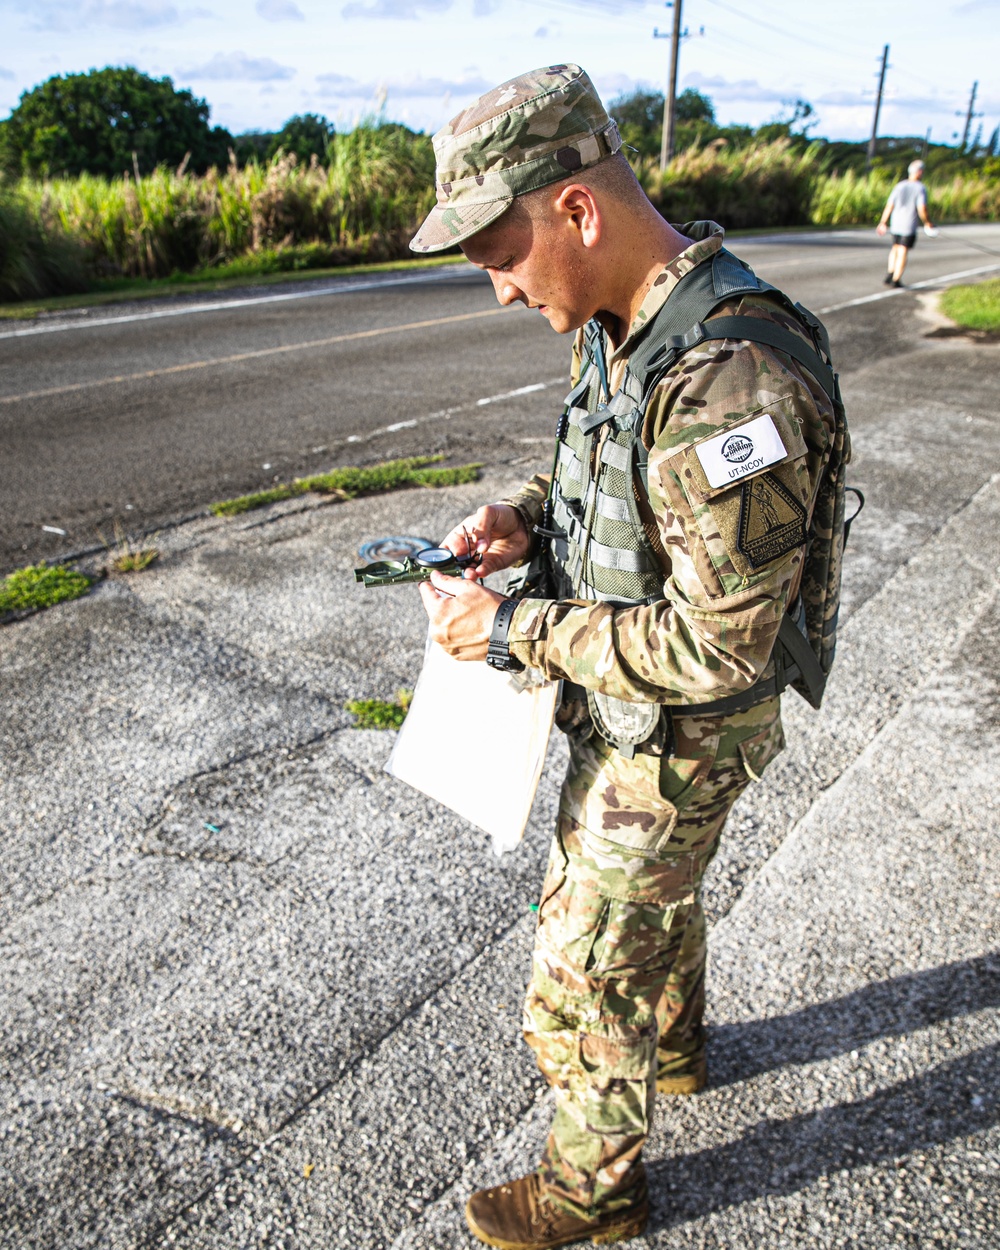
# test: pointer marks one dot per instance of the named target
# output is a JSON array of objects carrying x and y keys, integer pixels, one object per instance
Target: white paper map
[{"x": 459, "y": 703}]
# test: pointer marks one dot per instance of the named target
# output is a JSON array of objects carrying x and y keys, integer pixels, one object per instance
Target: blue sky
[{"x": 259, "y": 61}]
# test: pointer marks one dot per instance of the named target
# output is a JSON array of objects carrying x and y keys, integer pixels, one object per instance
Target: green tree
[
  {"x": 639, "y": 115},
  {"x": 94, "y": 122},
  {"x": 307, "y": 135},
  {"x": 640, "y": 119},
  {"x": 803, "y": 116},
  {"x": 692, "y": 106},
  {"x": 252, "y": 145}
]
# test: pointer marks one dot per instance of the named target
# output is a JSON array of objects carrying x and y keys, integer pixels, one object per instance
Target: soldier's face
[{"x": 536, "y": 261}]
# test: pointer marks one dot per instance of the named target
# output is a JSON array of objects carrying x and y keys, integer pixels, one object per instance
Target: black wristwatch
[{"x": 498, "y": 656}]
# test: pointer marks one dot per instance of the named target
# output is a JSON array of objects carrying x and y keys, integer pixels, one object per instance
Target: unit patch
[
  {"x": 772, "y": 521},
  {"x": 729, "y": 456}
]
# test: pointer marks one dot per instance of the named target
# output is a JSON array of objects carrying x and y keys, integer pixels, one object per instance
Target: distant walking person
[{"x": 907, "y": 203}]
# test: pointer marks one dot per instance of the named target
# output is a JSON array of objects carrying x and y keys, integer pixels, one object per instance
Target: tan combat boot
[
  {"x": 517, "y": 1216},
  {"x": 688, "y": 1079}
]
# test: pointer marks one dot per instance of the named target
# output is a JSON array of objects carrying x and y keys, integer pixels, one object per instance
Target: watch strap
[{"x": 498, "y": 653}]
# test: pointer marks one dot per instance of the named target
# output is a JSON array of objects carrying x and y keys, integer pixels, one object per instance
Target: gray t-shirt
[{"x": 905, "y": 197}]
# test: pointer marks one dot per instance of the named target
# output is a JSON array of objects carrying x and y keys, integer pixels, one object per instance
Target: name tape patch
[{"x": 732, "y": 456}]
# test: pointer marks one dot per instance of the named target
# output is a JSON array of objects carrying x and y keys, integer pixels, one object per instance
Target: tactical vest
[{"x": 598, "y": 545}]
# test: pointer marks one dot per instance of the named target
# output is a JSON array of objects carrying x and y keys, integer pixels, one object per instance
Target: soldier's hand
[
  {"x": 497, "y": 533},
  {"x": 461, "y": 614}
]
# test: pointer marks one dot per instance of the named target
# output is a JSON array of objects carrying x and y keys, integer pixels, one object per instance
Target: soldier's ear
[{"x": 577, "y": 205}]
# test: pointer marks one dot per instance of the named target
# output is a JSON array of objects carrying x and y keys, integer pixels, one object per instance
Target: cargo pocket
[
  {"x": 633, "y": 935},
  {"x": 630, "y": 960},
  {"x": 618, "y": 800},
  {"x": 758, "y": 751},
  {"x": 684, "y": 773},
  {"x": 571, "y": 919}
]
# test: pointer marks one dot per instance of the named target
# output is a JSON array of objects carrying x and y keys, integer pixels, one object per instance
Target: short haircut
[
  {"x": 914, "y": 167},
  {"x": 613, "y": 176}
]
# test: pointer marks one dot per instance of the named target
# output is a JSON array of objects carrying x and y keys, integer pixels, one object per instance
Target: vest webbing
[{"x": 682, "y": 323}]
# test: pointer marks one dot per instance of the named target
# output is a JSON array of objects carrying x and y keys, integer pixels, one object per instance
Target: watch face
[{"x": 434, "y": 558}]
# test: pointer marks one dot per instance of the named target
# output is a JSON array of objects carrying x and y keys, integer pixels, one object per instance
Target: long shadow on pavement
[
  {"x": 778, "y": 1157},
  {"x": 886, "y": 1009}
]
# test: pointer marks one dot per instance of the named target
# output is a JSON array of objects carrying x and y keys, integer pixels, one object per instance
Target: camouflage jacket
[{"x": 712, "y": 633}]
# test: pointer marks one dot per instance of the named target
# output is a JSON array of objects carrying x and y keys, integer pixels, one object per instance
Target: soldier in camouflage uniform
[{"x": 532, "y": 186}]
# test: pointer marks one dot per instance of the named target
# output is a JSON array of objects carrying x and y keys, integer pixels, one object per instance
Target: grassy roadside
[
  {"x": 348, "y": 483},
  {"x": 40, "y": 586},
  {"x": 976, "y": 307},
  {"x": 241, "y": 273},
  {"x": 244, "y": 272},
  {"x": 379, "y": 713}
]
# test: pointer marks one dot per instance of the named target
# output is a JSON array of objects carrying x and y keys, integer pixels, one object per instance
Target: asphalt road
[
  {"x": 256, "y": 993},
  {"x": 147, "y": 413}
]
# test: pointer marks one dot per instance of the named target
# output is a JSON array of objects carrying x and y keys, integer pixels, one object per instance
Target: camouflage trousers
[{"x": 618, "y": 975}]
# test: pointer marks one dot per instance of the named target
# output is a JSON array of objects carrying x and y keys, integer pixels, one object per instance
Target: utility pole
[
  {"x": 927, "y": 145},
  {"x": 670, "y": 99},
  {"x": 969, "y": 116},
  {"x": 878, "y": 108}
]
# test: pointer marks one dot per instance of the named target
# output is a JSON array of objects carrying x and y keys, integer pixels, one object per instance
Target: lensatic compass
[{"x": 417, "y": 567}]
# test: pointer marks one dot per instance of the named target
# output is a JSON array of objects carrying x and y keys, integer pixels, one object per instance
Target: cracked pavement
[{"x": 254, "y": 992}]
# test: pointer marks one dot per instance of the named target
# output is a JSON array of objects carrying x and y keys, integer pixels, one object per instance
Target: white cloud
[
  {"x": 614, "y": 6},
  {"x": 130, "y": 15},
  {"x": 341, "y": 87},
  {"x": 7, "y": 73},
  {"x": 975, "y": 6},
  {"x": 239, "y": 67},
  {"x": 611, "y": 85},
  {"x": 279, "y": 11},
  {"x": 847, "y": 99},
  {"x": 394, "y": 10},
  {"x": 866, "y": 99},
  {"x": 744, "y": 90},
  {"x": 119, "y": 14}
]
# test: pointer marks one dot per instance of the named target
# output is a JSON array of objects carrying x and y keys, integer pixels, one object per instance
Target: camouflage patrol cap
[{"x": 522, "y": 135}]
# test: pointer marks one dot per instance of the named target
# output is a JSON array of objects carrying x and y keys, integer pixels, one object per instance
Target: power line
[
  {"x": 635, "y": 19},
  {"x": 779, "y": 30}
]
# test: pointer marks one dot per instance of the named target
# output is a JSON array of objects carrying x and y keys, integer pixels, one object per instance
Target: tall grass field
[{"x": 64, "y": 235}]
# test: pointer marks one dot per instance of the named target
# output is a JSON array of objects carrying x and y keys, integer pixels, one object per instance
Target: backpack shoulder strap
[
  {"x": 681, "y": 325},
  {"x": 757, "y": 330},
  {"x": 686, "y": 320},
  {"x": 675, "y": 327}
]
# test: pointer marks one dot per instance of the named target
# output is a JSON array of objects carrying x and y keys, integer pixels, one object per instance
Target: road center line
[
  {"x": 913, "y": 286},
  {"x": 241, "y": 356},
  {"x": 445, "y": 414},
  {"x": 521, "y": 390},
  {"x": 250, "y": 301}
]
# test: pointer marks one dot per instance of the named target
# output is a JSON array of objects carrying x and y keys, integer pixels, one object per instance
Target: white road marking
[
  {"x": 446, "y": 414},
  {"x": 241, "y": 356},
  {"x": 521, "y": 390},
  {"x": 912, "y": 286},
  {"x": 188, "y": 310}
]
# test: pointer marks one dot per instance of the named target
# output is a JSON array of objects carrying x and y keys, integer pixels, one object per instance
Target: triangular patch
[{"x": 772, "y": 521}]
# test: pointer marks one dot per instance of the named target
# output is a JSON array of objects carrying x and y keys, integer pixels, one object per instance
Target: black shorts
[{"x": 905, "y": 240}]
